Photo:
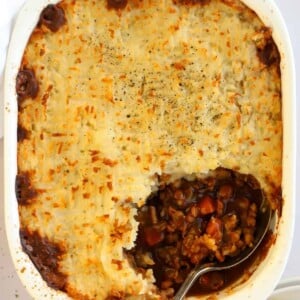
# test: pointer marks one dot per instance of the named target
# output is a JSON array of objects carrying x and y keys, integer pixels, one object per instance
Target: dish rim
[{"x": 277, "y": 256}]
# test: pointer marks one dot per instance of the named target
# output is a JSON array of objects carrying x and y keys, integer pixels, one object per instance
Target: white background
[{"x": 10, "y": 285}]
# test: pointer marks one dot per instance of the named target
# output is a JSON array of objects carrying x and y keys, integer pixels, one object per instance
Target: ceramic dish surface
[
  {"x": 288, "y": 289},
  {"x": 261, "y": 284}
]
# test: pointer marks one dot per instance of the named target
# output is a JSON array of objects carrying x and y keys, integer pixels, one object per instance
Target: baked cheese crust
[{"x": 129, "y": 91}]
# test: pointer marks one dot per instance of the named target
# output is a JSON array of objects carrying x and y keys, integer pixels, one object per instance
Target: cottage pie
[{"x": 126, "y": 103}]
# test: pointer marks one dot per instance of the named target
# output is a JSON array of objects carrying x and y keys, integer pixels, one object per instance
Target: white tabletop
[{"x": 10, "y": 285}]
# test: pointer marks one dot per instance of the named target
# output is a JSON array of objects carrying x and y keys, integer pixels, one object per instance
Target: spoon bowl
[{"x": 263, "y": 224}]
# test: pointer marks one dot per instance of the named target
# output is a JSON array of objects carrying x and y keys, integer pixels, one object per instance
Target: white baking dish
[
  {"x": 288, "y": 289},
  {"x": 263, "y": 281}
]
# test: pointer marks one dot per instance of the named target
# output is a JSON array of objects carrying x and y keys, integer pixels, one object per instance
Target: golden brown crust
[
  {"x": 26, "y": 84},
  {"x": 266, "y": 49},
  {"x": 191, "y": 2},
  {"x": 25, "y": 191},
  {"x": 116, "y": 4},
  {"x": 46, "y": 256},
  {"x": 53, "y": 17},
  {"x": 22, "y": 133},
  {"x": 129, "y": 92}
]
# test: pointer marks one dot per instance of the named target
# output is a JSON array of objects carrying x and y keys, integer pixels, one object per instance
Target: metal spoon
[{"x": 263, "y": 222}]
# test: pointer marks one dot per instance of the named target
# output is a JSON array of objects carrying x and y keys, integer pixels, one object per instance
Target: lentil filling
[{"x": 186, "y": 223}]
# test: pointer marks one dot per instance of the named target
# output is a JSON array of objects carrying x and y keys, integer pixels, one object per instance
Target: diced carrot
[{"x": 206, "y": 205}]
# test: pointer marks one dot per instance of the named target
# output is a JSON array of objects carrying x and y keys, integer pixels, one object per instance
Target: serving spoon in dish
[{"x": 263, "y": 224}]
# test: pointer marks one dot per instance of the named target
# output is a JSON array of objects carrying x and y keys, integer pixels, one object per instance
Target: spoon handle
[{"x": 190, "y": 279}]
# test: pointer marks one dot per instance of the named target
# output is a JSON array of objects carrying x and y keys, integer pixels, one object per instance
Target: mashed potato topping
[{"x": 129, "y": 91}]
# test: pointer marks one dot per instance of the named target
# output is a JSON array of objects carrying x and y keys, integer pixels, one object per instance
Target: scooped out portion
[{"x": 190, "y": 222}]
